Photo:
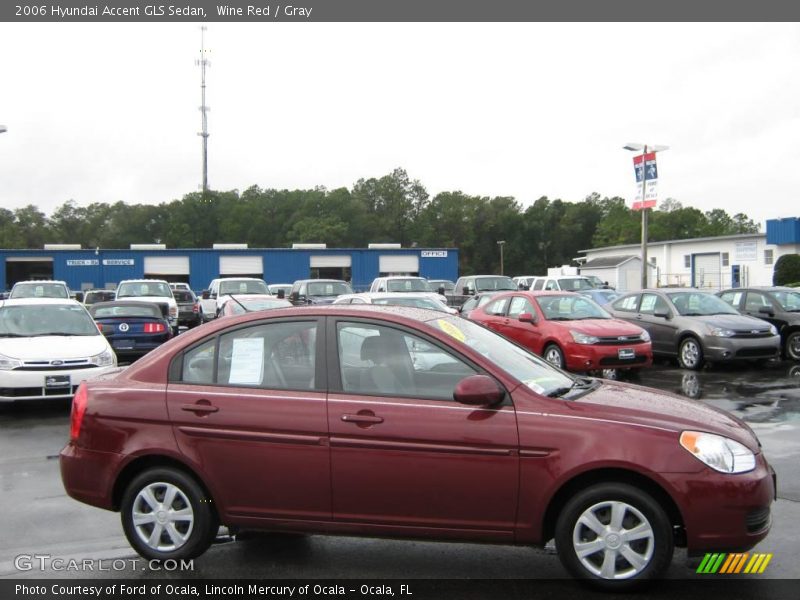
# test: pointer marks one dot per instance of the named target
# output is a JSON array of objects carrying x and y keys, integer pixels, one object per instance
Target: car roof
[
  {"x": 39, "y": 301},
  {"x": 143, "y": 281},
  {"x": 321, "y": 280},
  {"x": 35, "y": 281},
  {"x": 380, "y": 295}
]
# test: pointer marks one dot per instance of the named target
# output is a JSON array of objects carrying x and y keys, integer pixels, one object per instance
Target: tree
[{"x": 787, "y": 270}]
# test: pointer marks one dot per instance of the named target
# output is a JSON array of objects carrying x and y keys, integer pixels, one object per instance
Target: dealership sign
[
  {"x": 645, "y": 168},
  {"x": 93, "y": 262},
  {"x": 118, "y": 262},
  {"x": 434, "y": 254}
]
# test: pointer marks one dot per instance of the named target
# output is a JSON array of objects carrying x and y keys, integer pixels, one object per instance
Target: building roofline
[{"x": 665, "y": 242}]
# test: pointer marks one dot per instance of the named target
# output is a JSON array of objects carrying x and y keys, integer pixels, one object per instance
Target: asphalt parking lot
[{"x": 39, "y": 519}]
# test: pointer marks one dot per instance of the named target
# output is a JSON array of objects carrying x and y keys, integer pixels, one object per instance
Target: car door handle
[
  {"x": 371, "y": 419},
  {"x": 199, "y": 408}
]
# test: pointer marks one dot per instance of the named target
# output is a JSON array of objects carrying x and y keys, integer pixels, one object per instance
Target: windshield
[
  {"x": 243, "y": 286},
  {"x": 574, "y": 284},
  {"x": 570, "y": 308},
  {"x": 36, "y": 289},
  {"x": 790, "y": 301},
  {"x": 45, "y": 319},
  {"x": 92, "y": 297},
  {"x": 488, "y": 284},
  {"x": 415, "y": 302},
  {"x": 235, "y": 308},
  {"x": 536, "y": 373},
  {"x": 696, "y": 304},
  {"x": 329, "y": 288},
  {"x": 183, "y": 296},
  {"x": 411, "y": 284},
  {"x": 137, "y": 289}
]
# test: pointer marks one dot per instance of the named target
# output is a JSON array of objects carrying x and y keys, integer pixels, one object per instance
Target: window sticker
[
  {"x": 247, "y": 361},
  {"x": 451, "y": 330}
]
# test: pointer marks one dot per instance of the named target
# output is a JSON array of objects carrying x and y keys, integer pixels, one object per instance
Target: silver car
[{"x": 697, "y": 327}]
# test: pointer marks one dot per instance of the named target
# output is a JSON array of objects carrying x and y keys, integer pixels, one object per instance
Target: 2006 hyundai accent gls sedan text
[{"x": 410, "y": 423}]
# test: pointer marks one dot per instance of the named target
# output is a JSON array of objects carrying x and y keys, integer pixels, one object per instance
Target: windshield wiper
[
  {"x": 579, "y": 384},
  {"x": 54, "y": 333}
]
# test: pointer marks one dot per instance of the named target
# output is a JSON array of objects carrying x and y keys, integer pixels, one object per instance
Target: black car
[
  {"x": 318, "y": 291},
  {"x": 189, "y": 314},
  {"x": 132, "y": 328},
  {"x": 777, "y": 305}
]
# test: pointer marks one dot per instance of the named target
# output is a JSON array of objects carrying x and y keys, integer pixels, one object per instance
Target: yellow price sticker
[{"x": 451, "y": 330}]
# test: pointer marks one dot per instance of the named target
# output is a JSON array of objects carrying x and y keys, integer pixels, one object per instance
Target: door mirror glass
[
  {"x": 527, "y": 317},
  {"x": 466, "y": 291},
  {"x": 662, "y": 314},
  {"x": 765, "y": 310},
  {"x": 205, "y": 295}
]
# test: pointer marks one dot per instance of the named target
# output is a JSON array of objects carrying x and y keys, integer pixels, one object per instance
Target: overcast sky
[{"x": 105, "y": 112}]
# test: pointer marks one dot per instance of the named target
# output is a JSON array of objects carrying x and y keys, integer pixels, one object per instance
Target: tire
[
  {"x": 191, "y": 515},
  {"x": 610, "y": 561},
  {"x": 690, "y": 354},
  {"x": 792, "y": 347},
  {"x": 553, "y": 354}
]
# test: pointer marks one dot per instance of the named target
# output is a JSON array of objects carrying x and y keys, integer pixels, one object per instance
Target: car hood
[
  {"x": 646, "y": 406},
  {"x": 52, "y": 347},
  {"x": 737, "y": 322},
  {"x": 603, "y": 327}
]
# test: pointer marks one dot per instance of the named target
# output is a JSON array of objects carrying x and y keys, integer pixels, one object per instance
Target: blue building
[{"x": 103, "y": 268}]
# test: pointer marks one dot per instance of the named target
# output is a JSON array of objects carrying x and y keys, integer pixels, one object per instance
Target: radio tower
[{"x": 203, "y": 62}]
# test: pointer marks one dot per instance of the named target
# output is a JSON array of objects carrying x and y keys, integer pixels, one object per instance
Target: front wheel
[
  {"x": 554, "y": 356},
  {"x": 690, "y": 354},
  {"x": 793, "y": 346},
  {"x": 167, "y": 515},
  {"x": 614, "y": 536}
]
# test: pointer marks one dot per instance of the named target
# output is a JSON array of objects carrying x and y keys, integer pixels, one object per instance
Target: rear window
[
  {"x": 183, "y": 296},
  {"x": 142, "y": 310}
]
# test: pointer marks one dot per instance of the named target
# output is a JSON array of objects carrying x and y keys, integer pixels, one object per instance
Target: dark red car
[
  {"x": 411, "y": 423},
  {"x": 567, "y": 329}
]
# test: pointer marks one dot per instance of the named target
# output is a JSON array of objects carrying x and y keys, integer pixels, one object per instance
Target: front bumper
[
  {"x": 590, "y": 357},
  {"x": 32, "y": 385},
  {"x": 724, "y": 349},
  {"x": 724, "y": 512}
]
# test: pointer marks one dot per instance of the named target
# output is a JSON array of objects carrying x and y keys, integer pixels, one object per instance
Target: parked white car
[
  {"x": 48, "y": 346},
  {"x": 418, "y": 300},
  {"x": 219, "y": 291},
  {"x": 405, "y": 285},
  {"x": 156, "y": 291}
]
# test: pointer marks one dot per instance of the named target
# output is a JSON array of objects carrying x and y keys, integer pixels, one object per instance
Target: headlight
[
  {"x": 106, "y": 358},
  {"x": 7, "y": 363},
  {"x": 773, "y": 330},
  {"x": 720, "y": 332},
  {"x": 645, "y": 336},
  {"x": 720, "y": 453},
  {"x": 582, "y": 338}
]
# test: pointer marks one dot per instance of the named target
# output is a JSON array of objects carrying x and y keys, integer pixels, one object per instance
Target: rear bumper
[{"x": 88, "y": 475}]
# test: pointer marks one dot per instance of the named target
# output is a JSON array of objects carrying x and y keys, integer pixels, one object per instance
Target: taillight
[
  {"x": 99, "y": 327},
  {"x": 79, "y": 403},
  {"x": 196, "y": 307},
  {"x": 173, "y": 311},
  {"x": 154, "y": 327}
]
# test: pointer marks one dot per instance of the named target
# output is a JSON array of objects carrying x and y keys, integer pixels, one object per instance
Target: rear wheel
[
  {"x": 690, "y": 354},
  {"x": 554, "y": 356},
  {"x": 614, "y": 536},
  {"x": 166, "y": 514}
]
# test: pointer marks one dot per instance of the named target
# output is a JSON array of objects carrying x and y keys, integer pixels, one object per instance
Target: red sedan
[
  {"x": 408, "y": 422},
  {"x": 568, "y": 330}
]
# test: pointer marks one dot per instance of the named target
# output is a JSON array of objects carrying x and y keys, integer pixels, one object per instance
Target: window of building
[
  {"x": 768, "y": 257},
  {"x": 687, "y": 261},
  {"x": 725, "y": 259}
]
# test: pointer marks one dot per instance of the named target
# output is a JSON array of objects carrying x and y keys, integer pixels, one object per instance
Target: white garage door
[
  {"x": 400, "y": 264},
  {"x": 330, "y": 261},
  {"x": 707, "y": 272},
  {"x": 241, "y": 265},
  {"x": 166, "y": 265}
]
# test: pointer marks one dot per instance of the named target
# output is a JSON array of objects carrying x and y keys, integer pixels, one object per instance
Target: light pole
[
  {"x": 644, "y": 149},
  {"x": 501, "y": 243}
]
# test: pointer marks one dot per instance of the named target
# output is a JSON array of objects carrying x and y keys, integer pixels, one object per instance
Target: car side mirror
[
  {"x": 766, "y": 310},
  {"x": 205, "y": 295},
  {"x": 478, "y": 390},
  {"x": 440, "y": 290},
  {"x": 79, "y": 296},
  {"x": 527, "y": 318},
  {"x": 294, "y": 296},
  {"x": 662, "y": 314},
  {"x": 281, "y": 294},
  {"x": 466, "y": 291}
]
